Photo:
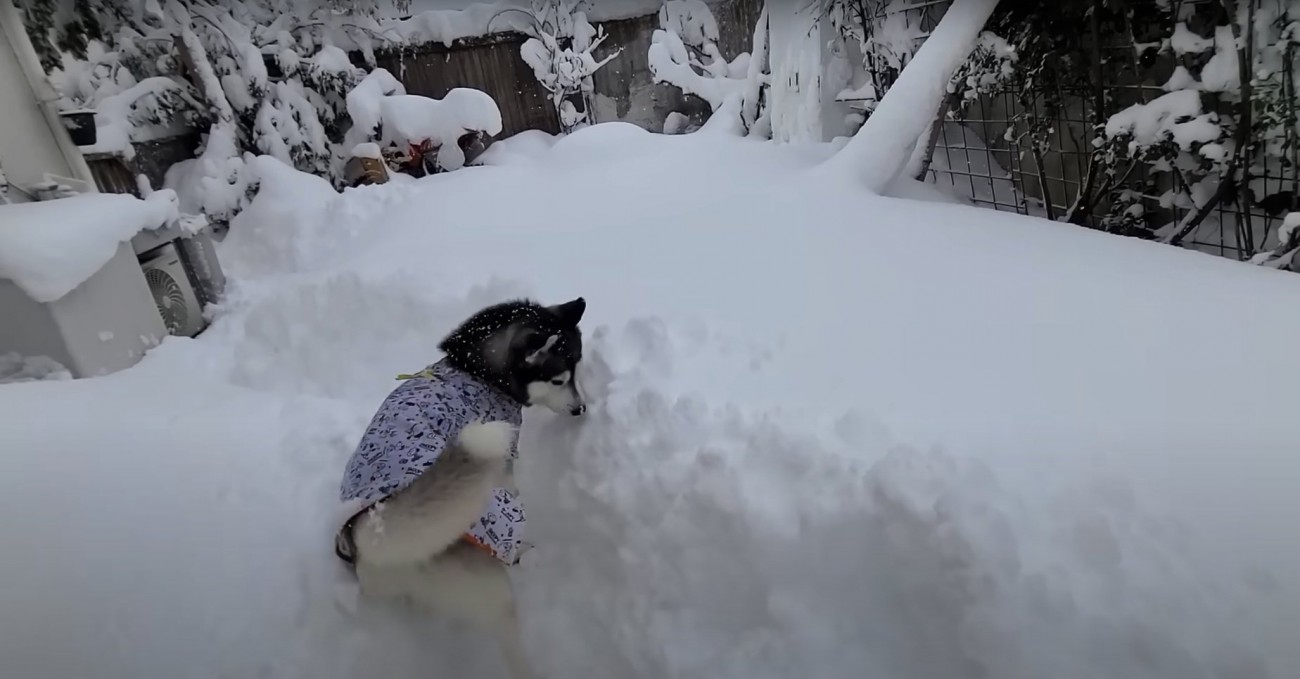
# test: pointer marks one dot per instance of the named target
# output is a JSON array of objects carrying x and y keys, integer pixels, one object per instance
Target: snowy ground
[{"x": 834, "y": 436}]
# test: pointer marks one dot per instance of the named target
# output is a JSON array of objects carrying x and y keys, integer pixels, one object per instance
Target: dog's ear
[
  {"x": 538, "y": 346},
  {"x": 570, "y": 313}
]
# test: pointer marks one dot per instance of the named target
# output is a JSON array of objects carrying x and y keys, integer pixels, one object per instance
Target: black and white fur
[{"x": 409, "y": 546}]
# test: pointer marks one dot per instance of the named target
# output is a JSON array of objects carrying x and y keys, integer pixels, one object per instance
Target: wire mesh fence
[{"x": 981, "y": 153}]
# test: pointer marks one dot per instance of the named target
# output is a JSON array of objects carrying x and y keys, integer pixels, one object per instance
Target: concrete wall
[
  {"x": 28, "y": 146},
  {"x": 104, "y": 325}
]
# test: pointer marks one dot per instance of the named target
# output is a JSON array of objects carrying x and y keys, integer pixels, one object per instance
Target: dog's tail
[{"x": 488, "y": 441}]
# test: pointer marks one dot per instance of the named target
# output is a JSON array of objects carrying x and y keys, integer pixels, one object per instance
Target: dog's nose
[{"x": 578, "y": 410}]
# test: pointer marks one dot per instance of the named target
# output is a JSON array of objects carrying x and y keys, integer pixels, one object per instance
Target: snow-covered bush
[
  {"x": 685, "y": 54},
  {"x": 133, "y": 61},
  {"x": 382, "y": 112},
  {"x": 990, "y": 67},
  {"x": 560, "y": 51},
  {"x": 1228, "y": 121}
]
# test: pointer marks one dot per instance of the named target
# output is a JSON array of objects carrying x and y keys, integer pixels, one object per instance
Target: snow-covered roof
[{"x": 48, "y": 248}]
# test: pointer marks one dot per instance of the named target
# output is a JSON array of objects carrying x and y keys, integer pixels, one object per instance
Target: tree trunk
[
  {"x": 882, "y": 148},
  {"x": 932, "y": 138}
]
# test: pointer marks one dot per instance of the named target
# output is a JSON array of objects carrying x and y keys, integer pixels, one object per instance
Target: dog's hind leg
[
  {"x": 433, "y": 512},
  {"x": 466, "y": 584}
]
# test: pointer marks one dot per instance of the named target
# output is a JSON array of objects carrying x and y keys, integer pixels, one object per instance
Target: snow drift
[{"x": 832, "y": 434}]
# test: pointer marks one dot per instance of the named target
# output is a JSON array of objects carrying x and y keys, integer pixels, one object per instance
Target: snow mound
[
  {"x": 529, "y": 145},
  {"x": 603, "y": 143},
  {"x": 844, "y": 431},
  {"x": 48, "y": 248},
  {"x": 281, "y": 228}
]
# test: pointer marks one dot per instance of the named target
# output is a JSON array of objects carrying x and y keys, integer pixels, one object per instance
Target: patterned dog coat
[{"x": 408, "y": 434}]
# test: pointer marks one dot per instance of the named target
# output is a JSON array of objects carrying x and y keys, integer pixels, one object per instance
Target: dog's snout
[{"x": 578, "y": 409}]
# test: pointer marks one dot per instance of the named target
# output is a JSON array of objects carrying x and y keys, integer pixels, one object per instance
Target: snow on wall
[{"x": 48, "y": 248}]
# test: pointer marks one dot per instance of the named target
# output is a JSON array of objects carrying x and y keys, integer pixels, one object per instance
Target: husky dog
[{"x": 438, "y": 453}]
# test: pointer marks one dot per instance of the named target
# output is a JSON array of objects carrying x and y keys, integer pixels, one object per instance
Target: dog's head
[
  {"x": 528, "y": 350},
  {"x": 546, "y": 362}
]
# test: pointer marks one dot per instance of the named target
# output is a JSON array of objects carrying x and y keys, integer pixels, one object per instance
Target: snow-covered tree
[
  {"x": 560, "y": 50},
  {"x": 684, "y": 53},
  {"x": 885, "y": 145}
]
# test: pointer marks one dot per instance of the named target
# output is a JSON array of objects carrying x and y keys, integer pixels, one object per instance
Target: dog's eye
[{"x": 559, "y": 382}]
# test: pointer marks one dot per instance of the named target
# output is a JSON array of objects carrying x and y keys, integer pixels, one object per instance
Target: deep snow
[{"x": 833, "y": 435}]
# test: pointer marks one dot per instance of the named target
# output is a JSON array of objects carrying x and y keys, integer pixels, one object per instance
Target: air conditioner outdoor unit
[{"x": 173, "y": 292}]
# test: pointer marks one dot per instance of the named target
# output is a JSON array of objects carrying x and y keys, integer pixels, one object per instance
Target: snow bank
[
  {"x": 262, "y": 240},
  {"x": 49, "y": 248},
  {"x": 529, "y": 145},
  {"x": 929, "y": 440}
]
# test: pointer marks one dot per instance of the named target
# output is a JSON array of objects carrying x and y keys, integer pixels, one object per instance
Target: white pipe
[{"x": 46, "y": 98}]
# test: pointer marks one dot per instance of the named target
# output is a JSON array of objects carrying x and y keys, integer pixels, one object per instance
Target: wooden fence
[
  {"x": 624, "y": 88},
  {"x": 491, "y": 64}
]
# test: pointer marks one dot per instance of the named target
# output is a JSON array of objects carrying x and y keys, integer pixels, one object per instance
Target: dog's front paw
[{"x": 488, "y": 441}]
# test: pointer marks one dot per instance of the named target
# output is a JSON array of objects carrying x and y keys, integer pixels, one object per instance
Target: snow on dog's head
[{"x": 527, "y": 350}]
